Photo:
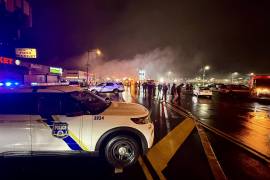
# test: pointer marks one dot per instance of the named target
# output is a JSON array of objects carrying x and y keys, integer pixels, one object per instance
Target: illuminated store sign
[
  {"x": 26, "y": 52},
  {"x": 55, "y": 70},
  {"x": 5, "y": 60}
]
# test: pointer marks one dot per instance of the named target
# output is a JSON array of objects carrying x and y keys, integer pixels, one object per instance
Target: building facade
[{"x": 15, "y": 21}]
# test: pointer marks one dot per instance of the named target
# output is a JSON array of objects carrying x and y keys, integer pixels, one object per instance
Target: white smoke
[{"x": 156, "y": 63}]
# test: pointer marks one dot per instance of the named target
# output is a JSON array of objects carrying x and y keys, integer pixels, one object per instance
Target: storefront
[
  {"x": 42, "y": 74},
  {"x": 11, "y": 70}
]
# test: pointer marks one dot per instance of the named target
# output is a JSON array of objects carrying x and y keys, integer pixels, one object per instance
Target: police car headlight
[{"x": 141, "y": 120}]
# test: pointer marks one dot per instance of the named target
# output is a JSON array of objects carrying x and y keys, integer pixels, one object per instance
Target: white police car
[
  {"x": 55, "y": 120},
  {"x": 108, "y": 87}
]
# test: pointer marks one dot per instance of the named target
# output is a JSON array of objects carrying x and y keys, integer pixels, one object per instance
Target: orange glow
[{"x": 262, "y": 91}]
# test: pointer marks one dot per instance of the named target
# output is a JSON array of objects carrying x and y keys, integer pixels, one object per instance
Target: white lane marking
[
  {"x": 160, "y": 110},
  {"x": 166, "y": 118}
]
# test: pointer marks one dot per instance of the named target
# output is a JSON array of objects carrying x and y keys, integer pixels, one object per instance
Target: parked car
[
  {"x": 202, "y": 91},
  {"x": 215, "y": 86},
  {"x": 234, "y": 89},
  {"x": 108, "y": 87}
]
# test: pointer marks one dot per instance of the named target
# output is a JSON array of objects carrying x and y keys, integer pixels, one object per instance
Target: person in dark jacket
[
  {"x": 159, "y": 89},
  {"x": 173, "y": 91},
  {"x": 144, "y": 85},
  {"x": 164, "y": 91},
  {"x": 178, "y": 91}
]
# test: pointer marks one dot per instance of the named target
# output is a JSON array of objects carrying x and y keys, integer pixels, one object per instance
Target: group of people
[{"x": 163, "y": 89}]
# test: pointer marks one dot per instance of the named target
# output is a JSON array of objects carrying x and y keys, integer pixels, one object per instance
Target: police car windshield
[{"x": 92, "y": 102}]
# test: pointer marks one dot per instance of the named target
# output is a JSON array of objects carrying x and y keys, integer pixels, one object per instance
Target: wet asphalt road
[{"x": 244, "y": 121}]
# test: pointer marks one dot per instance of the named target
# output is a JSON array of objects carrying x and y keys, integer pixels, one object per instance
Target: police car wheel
[{"x": 122, "y": 151}]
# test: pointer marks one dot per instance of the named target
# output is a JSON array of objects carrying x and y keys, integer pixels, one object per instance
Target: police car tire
[{"x": 113, "y": 146}]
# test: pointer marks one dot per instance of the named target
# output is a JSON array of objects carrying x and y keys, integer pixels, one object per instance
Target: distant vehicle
[
  {"x": 202, "y": 91},
  {"x": 215, "y": 86},
  {"x": 260, "y": 86},
  {"x": 108, "y": 87},
  {"x": 67, "y": 120},
  {"x": 77, "y": 83},
  {"x": 187, "y": 89},
  {"x": 234, "y": 89}
]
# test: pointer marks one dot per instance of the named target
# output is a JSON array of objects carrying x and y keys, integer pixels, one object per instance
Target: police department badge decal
[{"x": 60, "y": 129}]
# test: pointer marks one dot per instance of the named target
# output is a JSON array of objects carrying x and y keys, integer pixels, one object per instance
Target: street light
[
  {"x": 94, "y": 52},
  {"x": 205, "y": 69},
  {"x": 234, "y": 74}
]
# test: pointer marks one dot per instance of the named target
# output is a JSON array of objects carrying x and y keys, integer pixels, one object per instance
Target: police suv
[{"x": 56, "y": 120}]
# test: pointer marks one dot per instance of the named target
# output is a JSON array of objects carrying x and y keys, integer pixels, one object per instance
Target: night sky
[{"x": 229, "y": 35}]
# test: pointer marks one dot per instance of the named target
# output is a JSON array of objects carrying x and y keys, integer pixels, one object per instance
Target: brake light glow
[{"x": 262, "y": 91}]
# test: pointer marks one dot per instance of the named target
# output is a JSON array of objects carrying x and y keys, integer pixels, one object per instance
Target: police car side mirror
[{"x": 74, "y": 114}]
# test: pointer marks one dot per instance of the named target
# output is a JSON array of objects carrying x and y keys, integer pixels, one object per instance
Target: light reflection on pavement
[{"x": 247, "y": 121}]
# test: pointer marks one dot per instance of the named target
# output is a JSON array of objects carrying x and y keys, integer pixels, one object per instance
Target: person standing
[
  {"x": 165, "y": 90},
  {"x": 178, "y": 91},
  {"x": 144, "y": 85},
  {"x": 154, "y": 89},
  {"x": 159, "y": 90},
  {"x": 173, "y": 91}
]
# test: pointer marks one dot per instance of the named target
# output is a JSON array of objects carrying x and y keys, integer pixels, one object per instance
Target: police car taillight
[{"x": 141, "y": 120}]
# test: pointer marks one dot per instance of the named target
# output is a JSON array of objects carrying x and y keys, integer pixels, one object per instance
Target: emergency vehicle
[
  {"x": 67, "y": 120},
  {"x": 260, "y": 86}
]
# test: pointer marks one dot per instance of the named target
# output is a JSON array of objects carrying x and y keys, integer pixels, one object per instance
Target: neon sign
[
  {"x": 55, "y": 70},
  {"x": 5, "y": 60},
  {"x": 26, "y": 52}
]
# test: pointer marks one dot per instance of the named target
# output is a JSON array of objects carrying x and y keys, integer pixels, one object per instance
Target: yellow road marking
[
  {"x": 163, "y": 151},
  {"x": 212, "y": 160},
  {"x": 145, "y": 169}
]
